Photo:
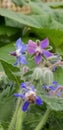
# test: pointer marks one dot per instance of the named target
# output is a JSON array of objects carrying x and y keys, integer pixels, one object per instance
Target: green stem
[
  {"x": 19, "y": 120},
  {"x": 43, "y": 120},
  {"x": 14, "y": 116}
]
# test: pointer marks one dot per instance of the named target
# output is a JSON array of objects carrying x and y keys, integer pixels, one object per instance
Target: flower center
[
  {"x": 30, "y": 96},
  {"x": 38, "y": 50},
  {"x": 18, "y": 52}
]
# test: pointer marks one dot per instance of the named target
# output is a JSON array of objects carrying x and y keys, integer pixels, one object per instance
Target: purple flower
[
  {"x": 39, "y": 49},
  {"x": 29, "y": 96},
  {"x": 19, "y": 53},
  {"x": 54, "y": 89}
]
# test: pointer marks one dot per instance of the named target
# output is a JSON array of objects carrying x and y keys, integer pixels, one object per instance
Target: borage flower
[
  {"x": 39, "y": 49},
  {"x": 29, "y": 96},
  {"x": 19, "y": 53},
  {"x": 54, "y": 90}
]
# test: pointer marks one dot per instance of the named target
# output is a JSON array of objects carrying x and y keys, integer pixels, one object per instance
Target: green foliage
[
  {"x": 9, "y": 31},
  {"x": 55, "y": 103},
  {"x": 11, "y": 72},
  {"x": 7, "y": 101},
  {"x": 20, "y": 18},
  {"x": 6, "y": 108},
  {"x": 55, "y": 4},
  {"x": 19, "y": 2},
  {"x": 52, "y": 19},
  {"x": 4, "y": 54},
  {"x": 33, "y": 116},
  {"x": 1, "y": 128},
  {"x": 45, "y": 20},
  {"x": 58, "y": 74}
]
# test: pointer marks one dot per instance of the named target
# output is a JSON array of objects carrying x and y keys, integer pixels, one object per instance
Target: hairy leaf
[
  {"x": 55, "y": 103},
  {"x": 9, "y": 69}
]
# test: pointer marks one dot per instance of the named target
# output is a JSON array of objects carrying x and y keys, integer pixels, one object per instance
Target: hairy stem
[
  {"x": 43, "y": 120},
  {"x": 11, "y": 125},
  {"x": 19, "y": 121},
  {"x": 56, "y": 64}
]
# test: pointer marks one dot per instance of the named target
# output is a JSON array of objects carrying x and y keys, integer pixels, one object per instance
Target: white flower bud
[
  {"x": 25, "y": 69},
  {"x": 47, "y": 76},
  {"x": 37, "y": 74}
]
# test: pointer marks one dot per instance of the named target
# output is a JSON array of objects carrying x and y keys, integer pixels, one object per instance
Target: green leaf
[
  {"x": 9, "y": 31},
  {"x": 36, "y": 7},
  {"x": 55, "y": 103},
  {"x": 4, "y": 54},
  {"x": 19, "y": 2},
  {"x": 52, "y": 19},
  {"x": 20, "y": 18},
  {"x": 55, "y": 4},
  {"x": 58, "y": 74},
  {"x": 60, "y": 49},
  {"x": 6, "y": 108},
  {"x": 13, "y": 23},
  {"x": 28, "y": 73},
  {"x": 9, "y": 69},
  {"x": 13, "y": 68},
  {"x": 1, "y": 127}
]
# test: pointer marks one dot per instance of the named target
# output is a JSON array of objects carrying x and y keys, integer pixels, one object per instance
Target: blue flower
[
  {"x": 29, "y": 96},
  {"x": 54, "y": 90},
  {"x": 52, "y": 87},
  {"x": 19, "y": 53}
]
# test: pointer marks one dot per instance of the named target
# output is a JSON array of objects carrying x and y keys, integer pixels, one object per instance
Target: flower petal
[
  {"x": 22, "y": 59},
  {"x": 59, "y": 94},
  {"x": 24, "y": 86},
  {"x": 17, "y": 61},
  {"x": 52, "y": 87},
  {"x": 45, "y": 86},
  {"x": 25, "y": 106},
  {"x": 47, "y": 53},
  {"x": 24, "y": 48},
  {"x": 18, "y": 43},
  {"x": 19, "y": 95},
  {"x": 13, "y": 53},
  {"x": 38, "y": 59},
  {"x": 39, "y": 100},
  {"x": 31, "y": 47},
  {"x": 55, "y": 82},
  {"x": 21, "y": 45},
  {"x": 44, "y": 43},
  {"x": 32, "y": 88}
]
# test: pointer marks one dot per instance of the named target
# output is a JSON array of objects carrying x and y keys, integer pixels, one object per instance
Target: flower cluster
[
  {"x": 43, "y": 73},
  {"x": 36, "y": 49},
  {"x": 29, "y": 96}
]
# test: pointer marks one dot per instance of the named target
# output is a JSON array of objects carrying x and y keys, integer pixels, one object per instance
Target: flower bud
[
  {"x": 25, "y": 69},
  {"x": 37, "y": 74},
  {"x": 54, "y": 59},
  {"x": 47, "y": 76},
  {"x": 38, "y": 42}
]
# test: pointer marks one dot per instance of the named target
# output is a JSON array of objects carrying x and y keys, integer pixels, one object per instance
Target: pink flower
[{"x": 38, "y": 50}]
